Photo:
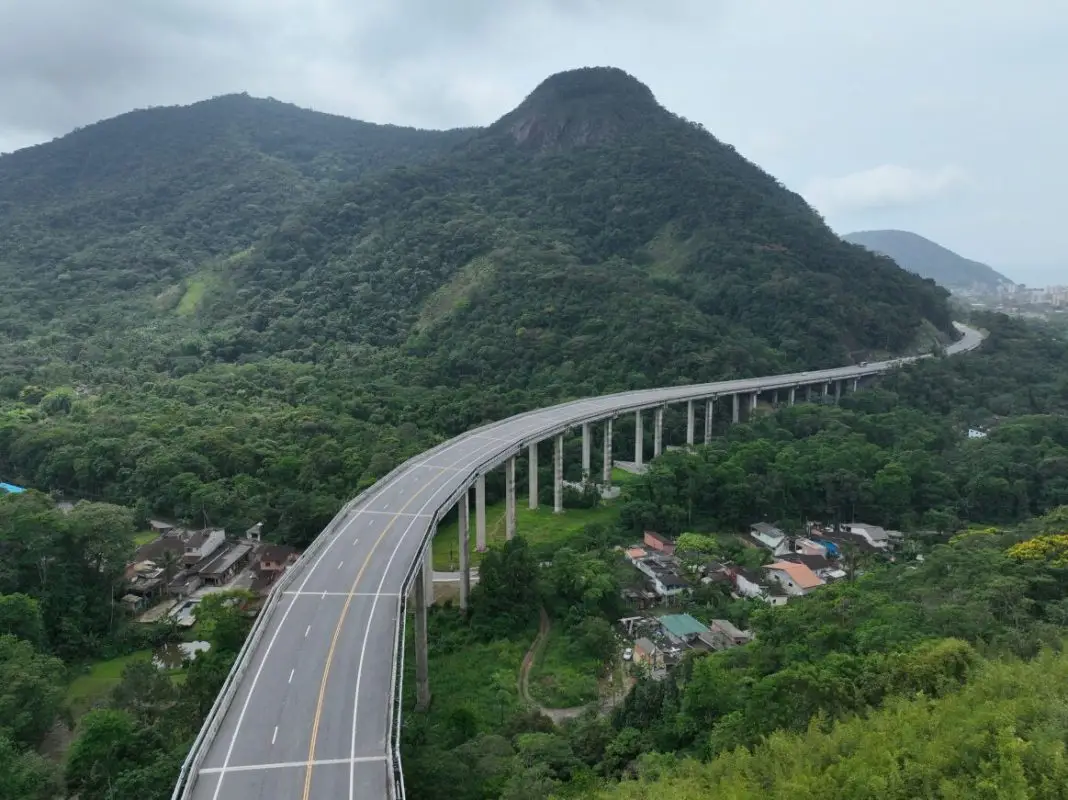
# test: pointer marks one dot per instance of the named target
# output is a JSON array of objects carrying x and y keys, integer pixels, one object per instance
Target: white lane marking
[
  {"x": 471, "y": 458},
  {"x": 367, "y": 631},
  {"x": 291, "y": 675},
  {"x": 396, "y": 513},
  {"x": 307, "y": 631},
  {"x": 340, "y": 594},
  {"x": 274, "y": 735},
  {"x": 288, "y": 764},
  {"x": 385, "y": 506},
  {"x": 339, "y": 564},
  {"x": 355, "y": 542},
  {"x": 259, "y": 671}
]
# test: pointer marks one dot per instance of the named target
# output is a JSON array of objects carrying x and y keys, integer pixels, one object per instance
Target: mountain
[
  {"x": 241, "y": 310},
  {"x": 135, "y": 203},
  {"x": 589, "y": 222},
  {"x": 930, "y": 260}
]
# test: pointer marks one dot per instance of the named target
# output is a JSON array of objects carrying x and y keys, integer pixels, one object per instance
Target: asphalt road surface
[{"x": 310, "y": 718}]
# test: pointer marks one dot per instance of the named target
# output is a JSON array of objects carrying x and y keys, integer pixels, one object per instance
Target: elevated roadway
[{"x": 311, "y": 709}]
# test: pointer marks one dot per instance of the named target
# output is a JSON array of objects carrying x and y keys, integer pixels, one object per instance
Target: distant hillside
[{"x": 929, "y": 260}]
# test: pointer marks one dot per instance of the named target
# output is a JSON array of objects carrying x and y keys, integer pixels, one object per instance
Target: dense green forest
[
  {"x": 243, "y": 311},
  {"x": 60, "y": 578},
  {"x": 906, "y": 651}
]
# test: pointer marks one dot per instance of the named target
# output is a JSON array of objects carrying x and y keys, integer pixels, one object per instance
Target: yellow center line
[{"x": 337, "y": 634}]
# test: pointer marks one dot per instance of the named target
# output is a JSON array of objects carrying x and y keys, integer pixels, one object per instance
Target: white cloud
[{"x": 883, "y": 187}]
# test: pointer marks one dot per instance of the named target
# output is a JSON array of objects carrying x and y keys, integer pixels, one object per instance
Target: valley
[{"x": 239, "y": 315}]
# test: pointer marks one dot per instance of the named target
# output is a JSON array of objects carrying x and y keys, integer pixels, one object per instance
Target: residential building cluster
[
  {"x": 661, "y": 642},
  {"x": 798, "y": 565},
  {"x": 181, "y": 563}
]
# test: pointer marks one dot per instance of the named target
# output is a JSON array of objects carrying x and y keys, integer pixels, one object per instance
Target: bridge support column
[
  {"x": 606, "y": 475},
  {"x": 689, "y": 423},
  {"x": 736, "y": 412},
  {"x": 465, "y": 548},
  {"x": 856, "y": 385},
  {"x": 753, "y": 398},
  {"x": 532, "y": 476},
  {"x": 710, "y": 409},
  {"x": 639, "y": 440},
  {"x": 793, "y": 395},
  {"x": 808, "y": 393},
  {"x": 658, "y": 431},
  {"x": 422, "y": 667},
  {"x": 586, "y": 451},
  {"x": 558, "y": 474},
  {"x": 837, "y": 390},
  {"x": 428, "y": 573},
  {"x": 826, "y": 392},
  {"x": 509, "y": 498},
  {"x": 480, "y": 513}
]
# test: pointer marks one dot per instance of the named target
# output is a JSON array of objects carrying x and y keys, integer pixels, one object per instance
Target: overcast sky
[{"x": 945, "y": 117}]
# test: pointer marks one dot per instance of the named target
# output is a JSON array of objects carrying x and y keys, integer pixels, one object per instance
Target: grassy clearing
[
  {"x": 543, "y": 530},
  {"x": 95, "y": 685},
  {"x": 144, "y": 537},
  {"x": 477, "y": 678},
  {"x": 563, "y": 676},
  {"x": 194, "y": 293}
]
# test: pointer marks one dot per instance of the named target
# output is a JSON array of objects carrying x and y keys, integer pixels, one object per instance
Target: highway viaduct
[{"x": 312, "y": 707}]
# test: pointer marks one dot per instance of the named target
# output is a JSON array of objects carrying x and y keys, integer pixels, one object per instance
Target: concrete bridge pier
[
  {"x": 736, "y": 409},
  {"x": 793, "y": 395},
  {"x": 465, "y": 549},
  {"x": 532, "y": 476},
  {"x": 422, "y": 667},
  {"x": 710, "y": 409},
  {"x": 639, "y": 443},
  {"x": 689, "y": 423},
  {"x": 509, "y": 498},
  {"x": 586, "y": 451},
  {"x": 606, "y": 476},
  {"x": 808, "y": 393},
  {"x": 558, "y": 474},
  {"x": 753, "y": 399},
  {"x": 480, "y": 513},
  {"x": 658, "y": 431},
  {"x": 837, "y": 390},
  {"x": 428, "y": 574}
]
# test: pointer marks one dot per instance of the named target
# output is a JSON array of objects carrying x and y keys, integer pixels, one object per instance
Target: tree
[
  {"x": 24, "y": 775},
  {"x": 108, "y": 744},
  {"x": 506, "y": 598},
  {"x": 31, "y": 691},
  {"x": 20, "y": 615}
]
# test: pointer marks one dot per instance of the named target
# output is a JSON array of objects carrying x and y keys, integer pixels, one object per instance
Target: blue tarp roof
[{"x": 10, "y": 487}]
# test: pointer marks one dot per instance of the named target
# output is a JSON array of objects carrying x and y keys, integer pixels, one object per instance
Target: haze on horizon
[{"x": 943, "y": 119}]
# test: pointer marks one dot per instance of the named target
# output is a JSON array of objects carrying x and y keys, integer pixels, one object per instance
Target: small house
[
  {"x": 796, "y": 579},
  {"x": 660, "y": 543},
  {"x": 681, "y": 628},
  {"x": 770, "y": 537}
]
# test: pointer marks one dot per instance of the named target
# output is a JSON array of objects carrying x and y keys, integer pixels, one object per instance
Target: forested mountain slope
[
  {"x": 103, "y": 219},
  {"x": 200, "y": 316},
  {"x": 929, "y": 260},
  {"x": 587, "y": 222}
]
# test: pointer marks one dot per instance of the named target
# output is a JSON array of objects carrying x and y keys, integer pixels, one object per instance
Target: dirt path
[{"x": 557, "y": 715}]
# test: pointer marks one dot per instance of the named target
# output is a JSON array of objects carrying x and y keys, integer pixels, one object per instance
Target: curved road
[{"x": 308, "y": 711}]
